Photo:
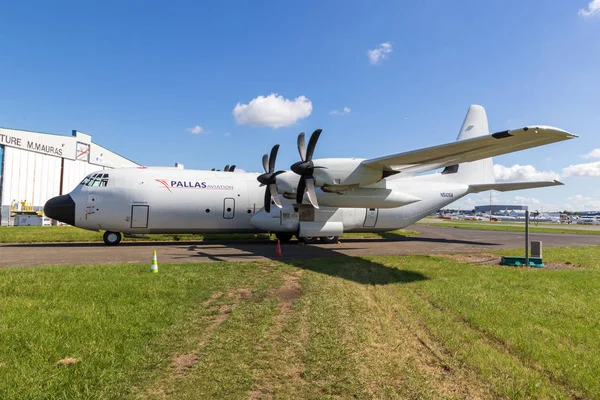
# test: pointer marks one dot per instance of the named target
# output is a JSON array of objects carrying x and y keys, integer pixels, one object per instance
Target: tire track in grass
[
  {"x": 182, "y": 364},
  {"x": 497, "y": 342},
  {"x": 283, "y": 364},
  {"x": 492, "y": 358},
  {"x": 362, "y": 342},
  {"x": 428, "y": 371}
]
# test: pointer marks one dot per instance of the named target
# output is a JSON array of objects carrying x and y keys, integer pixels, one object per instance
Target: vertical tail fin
[{"x": 476, "y": 172}]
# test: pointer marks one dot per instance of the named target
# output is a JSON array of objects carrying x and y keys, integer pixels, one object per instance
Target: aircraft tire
[
  {"x": 112, "y": 238},
  {"x": 308, "y": 239},
  {"x": 284, "y": 237},
  {"x": 329, "y": 239}
]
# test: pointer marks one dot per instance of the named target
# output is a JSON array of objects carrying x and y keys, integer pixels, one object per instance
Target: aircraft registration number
[{"x": 447, "y": 194}]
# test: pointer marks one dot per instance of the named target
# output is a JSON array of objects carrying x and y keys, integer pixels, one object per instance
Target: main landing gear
[
  {"x": 286, "y": 237},
  {"x": 323, "y": 239},
  {"x": 112, "y": 238}
]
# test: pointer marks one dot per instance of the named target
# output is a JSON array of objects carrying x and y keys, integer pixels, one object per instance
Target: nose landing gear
[{"x": 112, "y": 238}]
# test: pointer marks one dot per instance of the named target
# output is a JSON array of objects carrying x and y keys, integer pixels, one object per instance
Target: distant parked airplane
[{"x": 318, "y": 198}]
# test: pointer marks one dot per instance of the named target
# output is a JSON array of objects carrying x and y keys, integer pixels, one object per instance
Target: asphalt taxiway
[{"x": 433, "y": 240}]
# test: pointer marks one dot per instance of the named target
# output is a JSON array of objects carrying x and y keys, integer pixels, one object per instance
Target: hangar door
[
  {"x": 139, "y": 216},
  {"x": 1, "y": 164}
]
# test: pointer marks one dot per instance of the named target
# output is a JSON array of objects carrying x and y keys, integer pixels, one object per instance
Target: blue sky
[{"x": 139, "y": 76}]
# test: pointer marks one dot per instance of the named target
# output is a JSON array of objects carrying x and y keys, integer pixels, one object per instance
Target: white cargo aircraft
[{"x": 317, "y": 199}]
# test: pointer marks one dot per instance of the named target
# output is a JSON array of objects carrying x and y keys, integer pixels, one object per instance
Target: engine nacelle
[
  {"x": 344, "y": 173},
  {"x": 366, "y": 198}
]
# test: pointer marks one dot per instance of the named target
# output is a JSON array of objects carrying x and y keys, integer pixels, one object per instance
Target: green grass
[
  {"x": 120, "y": 321},
  {"x": 486, "y": 226},
  {"x": 37, "y": 234},
  {"x": 382, "y": 327},
  {"x": 580, "y": 257}
]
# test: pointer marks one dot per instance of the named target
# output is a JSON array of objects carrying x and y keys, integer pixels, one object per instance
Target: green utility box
[{"x": 535, "y": 262}]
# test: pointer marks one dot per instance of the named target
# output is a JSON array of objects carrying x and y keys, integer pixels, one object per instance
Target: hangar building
[
  {"x": 497, "y": 208},
  {"x": 37, "y": 166}
]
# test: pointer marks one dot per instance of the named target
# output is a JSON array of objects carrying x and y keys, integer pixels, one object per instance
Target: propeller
[
  {"x": 306, "y": 168},
  {"x": 268, "y": 179},
  {"x": 228, "y": 168}
]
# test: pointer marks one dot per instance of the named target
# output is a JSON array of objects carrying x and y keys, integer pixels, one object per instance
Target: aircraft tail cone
[
  {"x": 154, "y": 265},
  {"x": 278, "y": 249}
]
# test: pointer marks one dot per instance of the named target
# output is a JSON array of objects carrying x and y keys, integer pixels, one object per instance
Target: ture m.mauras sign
[{"x": 32, "y": 145}]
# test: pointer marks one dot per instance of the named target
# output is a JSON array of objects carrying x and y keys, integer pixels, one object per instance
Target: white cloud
[
  {"x": 526, "y": 200},
  {"x": 379, "y": 53},
  {"x": 196, "y": 130},
  {"x": 587, "y": 169},
  {"x": 227, "y": 134},
  {"x": 343, "y": 111},
  {"x": 273, "y": 111},
  {"x": 522, "y": 173},
  {"x": 592, "y": 9},
  {"x": 592, "y": 154},
  {"x": 580, "y": 202}
]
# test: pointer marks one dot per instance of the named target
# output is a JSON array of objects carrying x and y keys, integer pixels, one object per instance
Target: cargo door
[
  {"x": 139, "y": 216},
  {"x": 371, "y": 217},
  {"x": 228, "y": 208}
]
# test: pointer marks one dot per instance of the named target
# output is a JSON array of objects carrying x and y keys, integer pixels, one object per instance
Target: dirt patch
[
  {"x": 216, "y": 295},
  {"x": 67, "y": 361},
  {"x": 552, "y": 266},
  {"x": 183, "y": 363},
  {"x": 255, "y": 395},
  {"x": 290, "y": 290},
  {"x": 241, "y": 293},
  {"x": 476, "y": 258}
]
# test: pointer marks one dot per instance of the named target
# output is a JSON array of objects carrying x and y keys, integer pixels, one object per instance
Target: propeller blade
[
  {"x": 265, "y": 161},
  {"x": 273, "y": 157},
  {"x": 232, "y": 168},
  {"x": 267, "y": 200},
  {"x": 312, "y": 143},
  {"x": 301, "y": 146},
  {"x": 300, "y": 190},
  {"x": 310, "y": 190},
  {"x": 274, "y": 194},
  {"x": 226, "y": 169}
]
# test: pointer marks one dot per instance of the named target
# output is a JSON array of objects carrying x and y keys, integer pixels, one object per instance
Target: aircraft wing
[
  {"x": 478, "y": 148},
  {"x": 509, "y": 186}
]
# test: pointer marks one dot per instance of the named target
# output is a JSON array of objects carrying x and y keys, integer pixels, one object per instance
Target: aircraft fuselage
[{"x": 171, "y": 200}]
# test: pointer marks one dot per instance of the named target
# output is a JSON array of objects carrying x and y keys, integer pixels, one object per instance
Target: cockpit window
[{"x": 97, "y": 180}]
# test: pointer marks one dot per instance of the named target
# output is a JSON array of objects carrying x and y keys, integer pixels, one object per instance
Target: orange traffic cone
[{"x": 278, "y": 249}]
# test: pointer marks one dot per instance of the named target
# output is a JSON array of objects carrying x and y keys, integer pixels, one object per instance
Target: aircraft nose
[{"x": 61, "y": 208}]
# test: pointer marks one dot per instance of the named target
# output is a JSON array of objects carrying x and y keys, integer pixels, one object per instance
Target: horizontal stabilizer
[
  {"x": 509, "y": 186},
  {"x": 469, "y": 150}
]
